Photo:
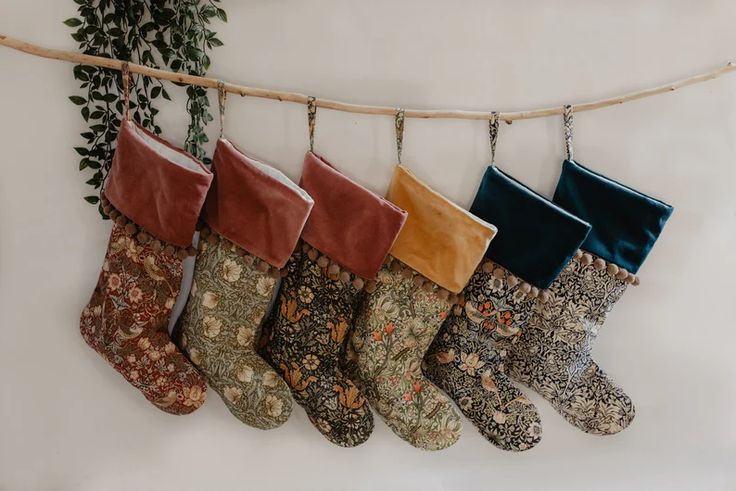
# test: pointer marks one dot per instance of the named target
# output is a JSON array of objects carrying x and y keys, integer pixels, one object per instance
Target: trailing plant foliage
[{"x": 173, "y": 33}]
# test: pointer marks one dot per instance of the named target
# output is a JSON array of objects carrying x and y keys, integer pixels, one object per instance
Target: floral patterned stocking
[
  {"x": 345, "y": 240},
  {"x": 394, "y": 327},
  {"x": 431, "y": 261},
  {"x": 153, "y": 195},
  {"x": 463, "y": 361},
  {"x": 254, "y": 215},
  {"x": 304, "y": 339},
  {"x": 127, "y": 317},
  {"x": 553, "y": 353},
  {"x": 219, "y": 328}
]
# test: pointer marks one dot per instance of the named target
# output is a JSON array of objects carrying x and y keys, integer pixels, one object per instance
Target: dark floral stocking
[
  {"x": 464, "y": 362},
  {"x": 304, "y": 339},
  {"x": 553, "y": 353}
]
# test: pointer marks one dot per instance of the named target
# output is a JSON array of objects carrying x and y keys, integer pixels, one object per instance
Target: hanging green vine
[{"x": 173, "y": 32}]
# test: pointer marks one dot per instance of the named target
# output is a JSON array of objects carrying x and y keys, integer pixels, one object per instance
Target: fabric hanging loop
[
  {"x": 493, "y": 135},
  {"x": 399, "y": 132},
  {"x": 125, "y": 72},
  {"x": 221, "y": 97},
  {"x": 311, "y": 119},
  {"x": 567, "y": 122}
]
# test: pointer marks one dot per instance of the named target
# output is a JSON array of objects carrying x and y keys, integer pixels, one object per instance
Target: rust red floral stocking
[{"x": 127, "y": 317}]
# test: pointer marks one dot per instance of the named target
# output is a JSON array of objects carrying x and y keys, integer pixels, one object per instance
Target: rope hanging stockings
[
  {"x": 311, "y": 119},
  {"x": 125, "y": 73},
  {"x": 399, "y": 124},
  {"x": 493, "y": 134},
  {"x": 221, "y": 97},
  {"x": 567, "y": 123}
]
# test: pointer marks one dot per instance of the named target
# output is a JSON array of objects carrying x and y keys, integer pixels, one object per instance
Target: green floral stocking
[
  {"x": 393, "y": 330},
  {"x": 219, "y": 328}
]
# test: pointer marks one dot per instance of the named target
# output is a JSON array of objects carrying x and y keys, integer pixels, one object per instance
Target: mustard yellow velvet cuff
[{"x": 440, "y": 240}]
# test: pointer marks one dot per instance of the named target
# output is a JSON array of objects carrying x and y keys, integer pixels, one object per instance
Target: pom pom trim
[
  {"x": 510, "y": 281},
  {"x": 600, "y": 264},
  {"x": 138, "y": 234},
  {"x": 210, "y": 237},
  {"x": 335, "y": 272},
  {"x": 398, "y": 268}
]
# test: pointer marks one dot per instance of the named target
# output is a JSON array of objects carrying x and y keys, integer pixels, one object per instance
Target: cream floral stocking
[
  {"x": 432, "y": 260},
  {"x": 395, "y": 326}
]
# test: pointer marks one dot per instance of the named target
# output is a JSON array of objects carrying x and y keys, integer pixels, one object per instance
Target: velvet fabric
[
  {"x": 255, "y": 206},
  {"x": 353, "y": 226},
  {"x": 626, "y": 223},
  {"x": 156, "y": 185},
  {"x": 537, "y": 237},
  {"x": 440, "y": 240}
]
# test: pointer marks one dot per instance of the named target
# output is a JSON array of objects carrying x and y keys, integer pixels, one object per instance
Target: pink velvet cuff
[
  {"x": 353, "y": 226},
  {"x": 255, "y": 206},
  {"x": 156, "y": 185}
]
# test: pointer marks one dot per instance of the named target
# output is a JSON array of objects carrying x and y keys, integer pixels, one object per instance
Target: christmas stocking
[
  {"x": 536, "y": 240},
  {"x": 254, "y": 216},
  {"x": 154, "y": 194},
  {"x": 346, "y": 239},
  {"x": 553, "y": 356},
  {"x": 435, "y": 254}
]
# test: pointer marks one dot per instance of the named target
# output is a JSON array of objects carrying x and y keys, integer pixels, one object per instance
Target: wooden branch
[{"x": 278, "y": 95}]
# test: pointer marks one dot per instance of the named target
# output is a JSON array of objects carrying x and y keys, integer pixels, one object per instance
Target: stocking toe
[{"x": 597, "y": 405}]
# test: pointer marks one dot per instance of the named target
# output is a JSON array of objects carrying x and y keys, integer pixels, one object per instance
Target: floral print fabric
[
  {"x": 304, "y": 339},
  {"x": 393, "y": 329},
  {"x": 553, "y": 353},
  {"x": 463, "y": 361},
  {"x": 127, "y": 317},
  {"x": 219, "y": 329}
]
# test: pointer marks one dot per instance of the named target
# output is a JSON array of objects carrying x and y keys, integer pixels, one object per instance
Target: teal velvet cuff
[
  {"x": 536, "y": 238},
  {"x": 626, "y": 223}
]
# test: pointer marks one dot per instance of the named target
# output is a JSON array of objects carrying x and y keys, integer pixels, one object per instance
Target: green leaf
[
  {"x": 194, "y": 53},
  {"x": 146, "y": 32}
]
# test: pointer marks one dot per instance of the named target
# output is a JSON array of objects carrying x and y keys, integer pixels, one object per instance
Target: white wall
[{"x": 69, "y": 422}]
